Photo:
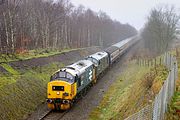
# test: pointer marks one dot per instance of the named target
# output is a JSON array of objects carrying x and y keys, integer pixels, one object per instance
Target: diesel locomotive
[{"x": 71, "y": 82}]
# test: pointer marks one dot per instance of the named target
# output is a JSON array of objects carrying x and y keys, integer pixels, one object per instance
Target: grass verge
[
  {"x": 132, "y": 91},
  {"x": 32, "y": 54},
  {"x": 21, "y": 95},
  {"x": 9, "y": 69},
  {"x": 113, "y": 101}
]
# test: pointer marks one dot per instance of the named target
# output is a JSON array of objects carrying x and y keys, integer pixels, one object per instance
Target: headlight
[{"x": 49, "y": 101}]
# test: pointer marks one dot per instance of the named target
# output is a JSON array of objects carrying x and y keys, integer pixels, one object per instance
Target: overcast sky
[{"x": 133, "y": 12}]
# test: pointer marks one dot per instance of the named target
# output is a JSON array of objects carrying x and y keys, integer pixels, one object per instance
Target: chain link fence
[{"x": 156, "y": 111}]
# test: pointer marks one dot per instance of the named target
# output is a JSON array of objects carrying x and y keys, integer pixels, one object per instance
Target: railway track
[{"x": 53, "y": 115}]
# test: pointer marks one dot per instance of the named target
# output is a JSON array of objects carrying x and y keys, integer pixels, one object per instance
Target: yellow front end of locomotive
[{"x": 61, "y": 94}]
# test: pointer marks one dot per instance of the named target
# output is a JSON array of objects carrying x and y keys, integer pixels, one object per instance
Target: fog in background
[{"x": 133, "y": 12}]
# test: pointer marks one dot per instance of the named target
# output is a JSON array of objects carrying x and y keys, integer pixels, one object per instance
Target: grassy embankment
[
  {"x": 21, "y": 92},
  {"x": 134, "y": 89},
  {"x": 32, "y": 54}
]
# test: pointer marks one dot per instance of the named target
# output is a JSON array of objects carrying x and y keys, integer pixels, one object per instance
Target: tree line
[
  {"x": 34, "y": 24},
  {"x": 161, "y": 29}
]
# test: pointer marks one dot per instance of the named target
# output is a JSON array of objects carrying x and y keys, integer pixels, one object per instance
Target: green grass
[
  {"x": 113, "y": 101},
  {"x": 174, "y": 107},
  {"x": 41, "y": 53},
  {"x": 33, "y": 54},
  {"x": 176, "y": 101},
  {"x": 21, "y": 96},
  {"x": 5, "y": 80},
  {"x": 9, "y": 69},
  {"x": 10, "y": 77}
]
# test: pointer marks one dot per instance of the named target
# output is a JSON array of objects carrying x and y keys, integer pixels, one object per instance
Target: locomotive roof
[
  {"x": 99, "y": 55},
  {"x": 78, "y": 67}
]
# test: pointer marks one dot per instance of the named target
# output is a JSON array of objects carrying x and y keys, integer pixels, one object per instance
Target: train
[{"x": 70, "y": 83}]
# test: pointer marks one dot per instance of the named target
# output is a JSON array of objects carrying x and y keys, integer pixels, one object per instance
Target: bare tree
[
  {"x": 42, "y": 24},
  {"x": 160, "y": 28}
]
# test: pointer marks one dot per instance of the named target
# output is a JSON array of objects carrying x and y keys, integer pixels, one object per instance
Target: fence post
[
  {"x": 166, "y": 60},
  {"x": 172, "y": 82},
  {"x": 160, "y": 61},
  {"x": 148, "y": 62},
  {"x": 175, "y": 77}
]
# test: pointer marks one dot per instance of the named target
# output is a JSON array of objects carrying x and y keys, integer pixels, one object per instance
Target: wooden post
[
  {"x": 160, "y": 61},
  {"x": 148, "y": 63},
  {"x": 155, "y": 66}
]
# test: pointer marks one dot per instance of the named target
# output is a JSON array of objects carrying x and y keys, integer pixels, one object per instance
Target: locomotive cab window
[{"x": 64, "y": 76}]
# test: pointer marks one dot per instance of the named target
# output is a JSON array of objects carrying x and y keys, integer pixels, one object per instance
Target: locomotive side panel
[
  {"x": 100, "y": 60},
  {"x": 85, "y": 79}
]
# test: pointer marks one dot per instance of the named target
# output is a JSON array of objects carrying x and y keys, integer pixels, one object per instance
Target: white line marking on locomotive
[
  {"x": 90, "y": 72},
  {"x": 82, "y": 82}
]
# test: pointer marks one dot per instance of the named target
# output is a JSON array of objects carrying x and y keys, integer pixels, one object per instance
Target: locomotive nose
[
  {"x": 60, "y": 94},
  {"x": 60, "y": 89}
]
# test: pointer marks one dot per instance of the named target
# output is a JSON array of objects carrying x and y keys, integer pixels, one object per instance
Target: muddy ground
[{"x": 82, "y": 109}]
